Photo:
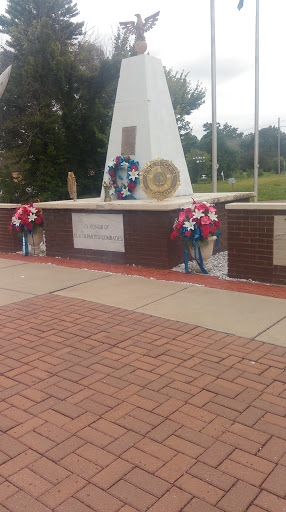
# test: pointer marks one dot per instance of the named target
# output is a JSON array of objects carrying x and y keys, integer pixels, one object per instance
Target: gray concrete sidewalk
[{"x": 252, "y": 316}]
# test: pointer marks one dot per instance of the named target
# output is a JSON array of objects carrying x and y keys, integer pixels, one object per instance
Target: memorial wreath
[{"x": 124, "y": 190}]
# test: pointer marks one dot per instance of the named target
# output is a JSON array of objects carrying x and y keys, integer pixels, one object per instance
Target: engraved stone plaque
[
  {"x": 128, "y": 141},
  {"x": 100, "y": 232},
  {"x": 279, "y": 249}
]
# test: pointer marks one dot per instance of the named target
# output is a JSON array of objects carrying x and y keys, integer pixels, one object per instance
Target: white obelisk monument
[{"x": 144, "y": 126}]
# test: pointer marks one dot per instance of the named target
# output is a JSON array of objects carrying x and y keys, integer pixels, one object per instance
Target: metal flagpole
[
  {"x": 213, "y": 81},
  {"x": 256, "y": 123}
]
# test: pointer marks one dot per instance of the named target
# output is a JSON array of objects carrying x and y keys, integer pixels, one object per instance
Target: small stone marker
[{"x": 72, "y": 186}]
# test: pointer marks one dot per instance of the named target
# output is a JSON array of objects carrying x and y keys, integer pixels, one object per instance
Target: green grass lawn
[{"x": 270, "y": 188}]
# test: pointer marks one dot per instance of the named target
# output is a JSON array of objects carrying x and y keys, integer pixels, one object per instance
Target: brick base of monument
[
  {"x": 251, "y": 245},
  {"x": 146, "y": 237},
  {"x": 10, "y": 241}
]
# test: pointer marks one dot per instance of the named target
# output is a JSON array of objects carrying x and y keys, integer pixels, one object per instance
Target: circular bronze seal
[{"x": 159, "y": 179}]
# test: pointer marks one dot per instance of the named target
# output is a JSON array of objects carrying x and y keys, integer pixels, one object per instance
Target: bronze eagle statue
[{"x": 138, "y": 29}]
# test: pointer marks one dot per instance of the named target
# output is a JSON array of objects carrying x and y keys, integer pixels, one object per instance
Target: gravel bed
[{"x": 216, "y": 266}]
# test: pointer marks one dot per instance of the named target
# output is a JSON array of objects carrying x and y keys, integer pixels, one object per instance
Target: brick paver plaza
[{"x": 104, "y": 409}]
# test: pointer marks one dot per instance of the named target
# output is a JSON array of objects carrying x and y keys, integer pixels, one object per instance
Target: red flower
[
  {"x": 174, "y": 235},
  {"x": 39, "y": 220},
  {"x": 217, "y": 223},
  {"x": 205, "y": 230},
  {"x": 205, "y": 220},
  {"x": 182, "y": 216},
  {"x": 189, "y": 212},
  {"x": 29, "y": 226},
  {"x": 188, "y": 233},
  {"x": 119, "y": 195},
  {"x": 117, "y": 159},
  {"x": 131, "y": 186}
]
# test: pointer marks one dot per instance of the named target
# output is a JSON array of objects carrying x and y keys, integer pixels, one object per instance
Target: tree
[
  {"x": 189, "y": 142},
  {"x": 268, "y": 149},
  {"x": 42, "y": 92},
  {"x": 228, "y": 146},
  {"x": 198, "y": 162},
  {"x": 184, "y": 96}
]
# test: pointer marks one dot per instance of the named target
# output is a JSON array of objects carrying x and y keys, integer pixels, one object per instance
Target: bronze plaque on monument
[
  {"x": 159, "y": 179},
  {"x": 128, "y": 141}
]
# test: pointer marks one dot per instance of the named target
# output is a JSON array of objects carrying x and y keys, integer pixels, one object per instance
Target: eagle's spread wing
[
  {"x": 128, "y": 26},
  {"x": 150, "y": 21}
]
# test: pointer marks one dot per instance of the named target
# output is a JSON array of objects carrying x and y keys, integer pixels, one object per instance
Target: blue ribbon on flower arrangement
[
  {"x": 196, "y": 238},
  {"x": 217, "y": 234},
  {"x": 25, "y": 245},
  {"x": 186, "y": 261}
]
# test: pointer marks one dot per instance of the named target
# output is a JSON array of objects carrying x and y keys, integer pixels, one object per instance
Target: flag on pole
[{"x": 240, "y": 5}]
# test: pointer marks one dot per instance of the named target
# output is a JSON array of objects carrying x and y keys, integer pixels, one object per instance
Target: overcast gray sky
[{"x": 181, "y": 39}]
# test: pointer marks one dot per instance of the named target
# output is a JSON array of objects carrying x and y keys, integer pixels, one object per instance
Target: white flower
[
  {"x": 33, "y": 209},
  {"x": 213, "y": 216},
  {"x": 16, "y": 221},
  {"x": 125, "y": 192},
  {"x": 198, "y": 214},
  {"x": 125, "y": 164},
  {"x": 32, "y": 216},
  {"x": 133, "y": 174},
  {"x": 189, "y": 224}
]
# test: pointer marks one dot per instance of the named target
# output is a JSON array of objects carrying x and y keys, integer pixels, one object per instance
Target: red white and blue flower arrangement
[
  {"x": 195, "y": 226},
  {"x": 26, "y": 220},
  {"x": 124, "y": 190}
]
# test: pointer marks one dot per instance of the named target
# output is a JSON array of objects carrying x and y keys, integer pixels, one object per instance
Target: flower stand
[
  {"x": 32, "y": 243},
  {"x": 206, "y": 250}
]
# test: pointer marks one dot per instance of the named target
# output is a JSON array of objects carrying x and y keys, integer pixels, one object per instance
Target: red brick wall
[
  {"x": 250, "y": 246},
  {"x": 147, "y": 238},
  {"x": 9, "y": 240}
]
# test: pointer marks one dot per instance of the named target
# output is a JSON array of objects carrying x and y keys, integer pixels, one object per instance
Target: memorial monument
[
  {"x": 146, "y": 180},
  {"x": 144, "y": 125}
]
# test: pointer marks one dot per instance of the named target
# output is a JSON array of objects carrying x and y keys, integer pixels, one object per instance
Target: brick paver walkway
[{"x": 108, "y": 410}]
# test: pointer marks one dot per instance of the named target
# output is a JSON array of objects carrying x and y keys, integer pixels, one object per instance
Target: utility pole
[
  {"x": 279, "y": 138},
  {"x": 213, "y": 80}
]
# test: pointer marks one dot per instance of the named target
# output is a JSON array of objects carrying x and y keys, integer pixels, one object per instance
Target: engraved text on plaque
[{"x": 128, "y": 141}]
